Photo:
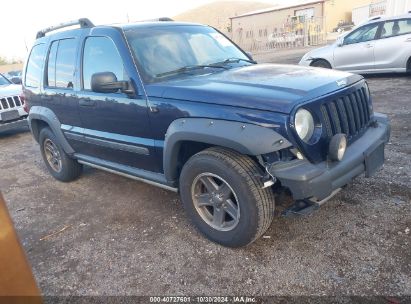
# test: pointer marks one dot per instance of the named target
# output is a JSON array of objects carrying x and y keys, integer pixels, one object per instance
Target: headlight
[{"x": 304, "y": 124}]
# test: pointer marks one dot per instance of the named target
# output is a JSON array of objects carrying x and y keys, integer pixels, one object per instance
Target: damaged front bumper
[{"x": 319, "y": 181}]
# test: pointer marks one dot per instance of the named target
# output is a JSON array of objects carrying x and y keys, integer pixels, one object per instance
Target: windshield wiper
[
  {"x": 235, "y": 60},
  {"x": 190, "y": 68}
]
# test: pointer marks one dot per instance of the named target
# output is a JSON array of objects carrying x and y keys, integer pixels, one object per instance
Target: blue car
[{"x": 180, "y": 106}]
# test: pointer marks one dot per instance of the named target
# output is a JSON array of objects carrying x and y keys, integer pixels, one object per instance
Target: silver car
[{"x": 380, "y": 45}]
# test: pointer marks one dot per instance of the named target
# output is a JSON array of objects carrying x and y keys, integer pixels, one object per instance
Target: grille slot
[
  {"x": 348, "y": 114},
  {"x": 10, "y": 102}
]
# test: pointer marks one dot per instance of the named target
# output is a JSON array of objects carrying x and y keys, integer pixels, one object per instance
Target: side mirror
[
  {"x": 106, "y": 82},
  {"x": 340, "y": 41},
  {"x": 16, "y": 80},
  {"x": 250, "y": 55}
]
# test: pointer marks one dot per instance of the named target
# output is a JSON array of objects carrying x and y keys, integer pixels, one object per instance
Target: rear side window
[
  {"x": 396, "y": 27},
  {"x": 101, "y": 55},
  {"x": 34, "y": 66},
  {"x": 61, "y": 64}
]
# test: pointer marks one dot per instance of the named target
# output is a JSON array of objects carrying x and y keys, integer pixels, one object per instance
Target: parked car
[
  {"x": 12, "y": 112},
  {"x": 179, "y": 106},
  {"x": 379, "y": 46},
  {"x": 14, "y": 76}
]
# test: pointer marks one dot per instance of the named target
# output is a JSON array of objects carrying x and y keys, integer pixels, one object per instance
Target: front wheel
[{"x": 222, "y": 194}]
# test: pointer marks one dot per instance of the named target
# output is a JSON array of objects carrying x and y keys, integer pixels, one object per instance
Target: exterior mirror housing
[
  {"x": 340, "y": 41},
  {"x": 106, "y": 82}
]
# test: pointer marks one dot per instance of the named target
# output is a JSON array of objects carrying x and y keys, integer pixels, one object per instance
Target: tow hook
[{"x": 267, "y": 180}]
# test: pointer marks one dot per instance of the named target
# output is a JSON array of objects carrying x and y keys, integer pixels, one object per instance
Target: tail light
[{"x": 24, "y": 103}]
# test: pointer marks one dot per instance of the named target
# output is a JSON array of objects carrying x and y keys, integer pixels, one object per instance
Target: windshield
[
  {"x": 165, "y": 51},
  {"x": 3, "y": 80}
]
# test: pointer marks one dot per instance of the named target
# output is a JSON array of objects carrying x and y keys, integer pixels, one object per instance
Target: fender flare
[
  {"x": 48, "y": 116},
  {"x": 244, "y": 138}
]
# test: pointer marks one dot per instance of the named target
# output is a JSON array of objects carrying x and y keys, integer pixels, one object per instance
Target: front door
[
  {"x": 357, "y": 51},
  {"x": 114, "y": 125}
]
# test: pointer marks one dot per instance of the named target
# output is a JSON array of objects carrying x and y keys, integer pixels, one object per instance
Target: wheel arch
[
  {"x": 320, "y": 59},
  {"x": 188, "y": 136},
  {"x": 40, "y": 117}
]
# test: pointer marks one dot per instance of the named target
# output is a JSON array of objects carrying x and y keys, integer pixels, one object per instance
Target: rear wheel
[
  {"x": 223, "y": 196},
  {"x": 59, "y": 164},
  {"x": 409, "y": 66},
  {"x": 321, "y": 63}
]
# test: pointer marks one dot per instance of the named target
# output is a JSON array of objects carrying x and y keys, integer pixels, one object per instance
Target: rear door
[
  {"x": 59, "y": 93},
  {"x": 393, "y": 49},
  {"x": 357, "y": 51}
]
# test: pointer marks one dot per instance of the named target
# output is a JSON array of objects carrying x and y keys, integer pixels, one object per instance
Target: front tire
[
  {"x": 58, "y": 163},
  {"x": 222, "y": 194},
  {"x": 321, "y": 63}
]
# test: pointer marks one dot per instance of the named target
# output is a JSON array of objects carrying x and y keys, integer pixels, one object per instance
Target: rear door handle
[
  {"x": 87, "y": 102},
  {"x": 408, "y": 40},
  {"x": 368, "y": 45}
]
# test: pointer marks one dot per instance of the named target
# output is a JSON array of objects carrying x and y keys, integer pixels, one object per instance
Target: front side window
[
  {"x": 396, "y": 27},
  {"x": 61, "y": 64},
  {"x": 34, "y": 66},
  {"x": 160, "y": 50},
  {"x": 101, "y": 55},
  {"x": 363, "y": 34}
]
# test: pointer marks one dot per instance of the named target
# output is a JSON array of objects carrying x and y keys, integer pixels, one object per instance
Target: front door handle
[
  {"x": 368, "y": 45},
  {"x": 408, "y": 40},
  {"x": 87, "y": 102}
]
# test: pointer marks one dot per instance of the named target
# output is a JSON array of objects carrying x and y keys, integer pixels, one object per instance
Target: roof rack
[
  {"x": 83, "y": 22},
  {"x": 158, "y": 19}
]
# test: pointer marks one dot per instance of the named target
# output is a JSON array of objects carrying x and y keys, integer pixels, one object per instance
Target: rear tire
[
  {"x": 321, "y": 63},
  {"x": 58, "y": 163},
  {"x": 409, "y": 66},
  {"x": 222, "y": 194}
]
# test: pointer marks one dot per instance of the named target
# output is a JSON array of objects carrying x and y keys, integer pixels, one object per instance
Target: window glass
[
  {"x": 165, "y": 49},
  {"x": 396, "y": 27},
  {"x": 65, "y": 63},
  {"x": 34, "y": 66},
  {"x": 101, "y": 55},
  {"x": 363, "y": 34},
  {"x": 51, "y": 65},
  {"x": 3, "y": 80}
]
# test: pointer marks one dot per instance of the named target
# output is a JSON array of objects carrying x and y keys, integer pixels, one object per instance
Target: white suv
[
  {"x": 12, "y": 112},
  {"x": 380, "y": 45}
]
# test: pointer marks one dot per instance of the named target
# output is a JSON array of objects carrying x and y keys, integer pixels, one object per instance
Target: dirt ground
[{"x": 123, "y": 237}]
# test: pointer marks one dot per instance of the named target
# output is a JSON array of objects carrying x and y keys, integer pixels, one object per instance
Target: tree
[{"x": 3, "y": 61}]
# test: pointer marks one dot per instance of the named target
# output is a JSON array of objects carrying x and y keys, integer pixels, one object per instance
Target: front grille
[
  {"x": 349, "y": 114},
  {"x": 10, "y": 102}
]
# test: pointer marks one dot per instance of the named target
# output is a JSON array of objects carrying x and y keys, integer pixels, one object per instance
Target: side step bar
[{"x": 155, "y": 179}]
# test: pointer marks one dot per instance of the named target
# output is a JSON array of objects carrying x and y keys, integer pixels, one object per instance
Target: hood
[
  {"x": 10, "y": 90},
  {"x": 269, "y": 87}
]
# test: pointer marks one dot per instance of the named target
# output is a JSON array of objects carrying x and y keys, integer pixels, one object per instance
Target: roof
[{"x": 278, "y": 8}]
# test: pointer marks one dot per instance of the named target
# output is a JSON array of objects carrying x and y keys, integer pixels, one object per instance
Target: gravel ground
[{"x": 122, "y": 237}]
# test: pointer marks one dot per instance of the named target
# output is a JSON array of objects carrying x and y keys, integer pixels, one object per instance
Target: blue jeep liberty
[{"x": 180, "y": 106}]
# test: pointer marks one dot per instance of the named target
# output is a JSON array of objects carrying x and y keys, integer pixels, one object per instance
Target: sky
[{"x": 20, "y": 20}]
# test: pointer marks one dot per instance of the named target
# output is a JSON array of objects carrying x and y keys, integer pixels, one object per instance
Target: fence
[{"x": 295, "y": 32}]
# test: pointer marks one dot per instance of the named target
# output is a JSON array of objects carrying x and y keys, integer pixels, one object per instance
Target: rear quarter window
[{"x": 35, "y": 66}]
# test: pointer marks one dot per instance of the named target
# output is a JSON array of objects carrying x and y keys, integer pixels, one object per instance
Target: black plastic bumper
[
  {"x": 307, "y": 180},
  {"x": 13, "y": 125}
]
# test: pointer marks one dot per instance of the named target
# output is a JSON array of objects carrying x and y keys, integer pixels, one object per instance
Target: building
[
  {"x": 303, "y": 23},
  {"x": 387, "y": 8}
]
